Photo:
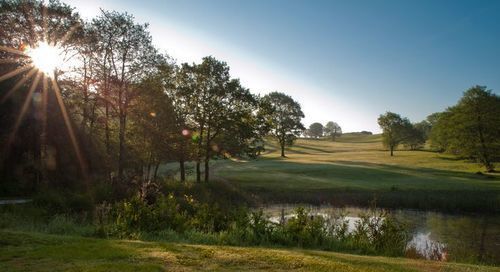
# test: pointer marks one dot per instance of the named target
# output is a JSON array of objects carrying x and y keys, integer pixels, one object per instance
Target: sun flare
[{"x": 46, "y": 58}]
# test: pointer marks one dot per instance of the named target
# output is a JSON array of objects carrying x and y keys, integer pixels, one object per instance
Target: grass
[
  {"x": 25, "y": 251},
  {"x": 356, "y": 168}
]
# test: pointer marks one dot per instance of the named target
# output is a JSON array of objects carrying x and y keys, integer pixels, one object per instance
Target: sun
[{"x": 46, "y": 58}]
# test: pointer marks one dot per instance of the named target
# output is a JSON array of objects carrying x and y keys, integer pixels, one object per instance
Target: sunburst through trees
[
  {"x": 36, "y": 42},
  {"x": 96, "y": 99}
]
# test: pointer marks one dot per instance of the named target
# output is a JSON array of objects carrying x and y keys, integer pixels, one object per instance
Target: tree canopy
[
  {"x": 395, "y": 129},
  {"x": 123, "y": 108},
  {"x": 284, "y": 115},
  {"x": 471, "y": 128},
  {"x": 333, "y": 130},
  {"x": 315, "y": 130}
]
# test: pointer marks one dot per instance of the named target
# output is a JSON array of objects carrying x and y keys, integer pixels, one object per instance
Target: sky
[{"x": 343, "y": 61}]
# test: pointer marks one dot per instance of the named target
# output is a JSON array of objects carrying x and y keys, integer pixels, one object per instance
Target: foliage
[
  {"x": 127, "y": 108},
  {"x": 315, "y": 130},
  {"x": 283, "y": 114},
  {"x": 373, "y": 235},
  {"x": 471, "y": 128},
  {"x": 395, "y": 129},
  {"x": 333, "y": 130},
  {"x": 416, "y": 135}
]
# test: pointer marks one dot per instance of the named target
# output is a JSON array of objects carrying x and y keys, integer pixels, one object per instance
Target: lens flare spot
[
  {"x": 37, "y": 98},
  {"x": 215, "y": 148}
]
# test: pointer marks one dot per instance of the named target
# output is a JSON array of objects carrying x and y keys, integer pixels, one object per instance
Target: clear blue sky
[{"x": 346, "y": 61}]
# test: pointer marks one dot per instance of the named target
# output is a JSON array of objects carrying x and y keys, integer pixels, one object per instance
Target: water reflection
[{"x": 437, "y": 236}]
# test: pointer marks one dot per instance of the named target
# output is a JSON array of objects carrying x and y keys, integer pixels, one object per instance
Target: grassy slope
[
  {"x": 358, "y": 164},
  {"x": 41, "y": 252}
]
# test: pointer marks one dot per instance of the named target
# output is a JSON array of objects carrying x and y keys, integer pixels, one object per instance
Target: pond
[{"x": 448, "y": 237}]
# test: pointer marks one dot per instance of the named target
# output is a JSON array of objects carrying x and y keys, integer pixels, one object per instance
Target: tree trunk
[
  {"x": 148, "y": 171},
  {"x": 181, "y": 161},
  {"x": 106, "y": 128},
  {"x": 85, "y": 99},
  {"x": 198, "y": 157},
  {"x": 283, "y": 150},
  {"x": 198, "y": 171},
  {"x": 207, "y": 170},
  {"x": 155, "y": 175},
  {"x": 207, "y": 156},
  {"x": 392, "y": 150},
  {"x": 183, "y": 170},
  {"x": 121, "y": 153}
]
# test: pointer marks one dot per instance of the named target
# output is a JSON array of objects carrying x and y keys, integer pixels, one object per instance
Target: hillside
[
  {"x": 356, "y": 168},
  {"x": 40, "y": 252}
]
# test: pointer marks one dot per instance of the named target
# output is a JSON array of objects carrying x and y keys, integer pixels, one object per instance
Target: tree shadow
[
  {"x": 313, "y": 149},
  {"x": 386, "y": 172}
]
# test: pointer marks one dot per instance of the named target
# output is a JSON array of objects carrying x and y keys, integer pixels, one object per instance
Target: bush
[
  {"x": 62, "y": 203},
  {"x": 212, "y": 221}
]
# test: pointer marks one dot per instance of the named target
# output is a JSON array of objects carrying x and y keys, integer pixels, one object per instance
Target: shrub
[{"x": 62, "y": 203}]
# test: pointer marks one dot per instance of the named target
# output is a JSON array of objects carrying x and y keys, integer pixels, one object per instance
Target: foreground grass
[
  {"x": 21, "y": 251},
  {"x": 355, "y": 169}
]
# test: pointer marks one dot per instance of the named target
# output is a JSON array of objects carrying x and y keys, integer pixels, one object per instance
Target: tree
[
  {"x": 153, "y": 127},
  {"x": 333, "y": 130},
  {"x": 203, "y": 87},
  {"x": 395, "y": 129},
  {"x": 230, "y": 125},
  {"x": 424, "y": 127},
  {"x": 216, "y": 107},
  {"x": 438, "y": 135},
  {"x": 127, "y": 55},
  {"x": 284, "y": 117},
  {"x": 316, "y": 130},
  {"x": 415, "y": 135},
  {"x": 240, "y": 132},
  {"x": 28, "y": 128},
  {"x": 472, "y": 127}
]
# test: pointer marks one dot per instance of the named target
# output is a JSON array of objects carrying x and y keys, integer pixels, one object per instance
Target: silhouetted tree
[
  {"x": 127, "y": 52},
  {"x": 284, "y": 116},
  {"x": 333, "y": 130},
  {"x": 316, "y": 130},
  {"x": 395, "y": 129}
]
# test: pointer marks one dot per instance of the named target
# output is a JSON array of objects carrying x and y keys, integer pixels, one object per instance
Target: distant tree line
[
  {"x": 120, "y": 109},
  {"x": 330, "y": 130},
  {"x": 469, "y": 129}
]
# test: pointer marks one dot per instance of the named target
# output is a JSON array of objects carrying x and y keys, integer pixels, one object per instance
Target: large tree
[
  {"x": 395, "y": 129},
  {"x": 333, "y": 130},
  {"x": 472, "y": 127},
  {"x": 216, "y": 107},
  {"x": 126, "y": 56},
  {"x": 153, "y": 129},
  {"x": 284, "y": 116}
]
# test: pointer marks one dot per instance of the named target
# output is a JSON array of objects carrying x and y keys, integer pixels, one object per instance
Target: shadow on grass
[
  {"x": 318, "y": 150},
  {"x": 277, "y": 180},
  {"x": 420, "y": 170},
  {"x": 373, "y": 170}
]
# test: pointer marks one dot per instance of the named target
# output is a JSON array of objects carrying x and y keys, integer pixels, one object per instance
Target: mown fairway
[
  {"x": 40, "y": 252},
  {"x": 356, "y": 168}
]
